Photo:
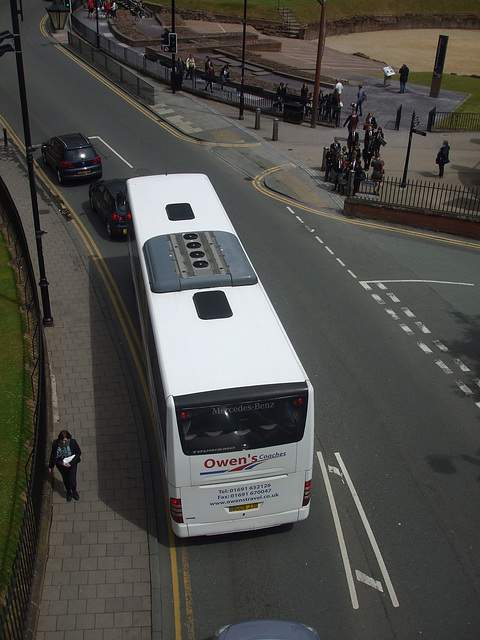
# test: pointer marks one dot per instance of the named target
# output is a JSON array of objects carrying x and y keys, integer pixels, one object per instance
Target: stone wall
[{"x": 360, "y": 24}]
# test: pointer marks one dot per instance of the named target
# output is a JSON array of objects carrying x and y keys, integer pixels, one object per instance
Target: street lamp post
[
  {"x": 173, "y": 74},
  {"x": 316, "y": 88},
  {"x": 47, "y": 317},
  {"x": 242, "y": 82},
  {"x": 98, "y": 27}
]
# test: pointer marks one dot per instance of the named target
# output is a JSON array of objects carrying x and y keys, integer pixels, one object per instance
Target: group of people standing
[
  {"x": 187, "y": 69},
  {"x": 108, "y": 8},
  {"x": 354, "y": 156}
]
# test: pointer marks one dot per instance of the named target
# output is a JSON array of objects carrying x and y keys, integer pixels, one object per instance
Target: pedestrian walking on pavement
[
  {"x": 443, "y": 157},
  {"x": 361, "y": 97},
  {"x": 339, "y": 86},
  {"x": 378, "y": 140},
  {"x": 65, "y": 455},
  {"x": 404, "y": 71}
]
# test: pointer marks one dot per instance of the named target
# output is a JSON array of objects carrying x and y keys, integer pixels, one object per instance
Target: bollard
[
  {"x": 275, "y": 129},
  {"x": 258, "y": 113},
  {"x": 5, "y": 139}
]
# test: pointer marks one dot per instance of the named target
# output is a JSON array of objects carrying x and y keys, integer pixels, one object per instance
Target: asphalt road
[{"x": 377, "y": 316}]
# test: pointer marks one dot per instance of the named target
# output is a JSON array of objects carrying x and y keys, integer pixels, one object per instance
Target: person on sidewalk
[
  {"x": 378, "y": 172},
  {"x": 378, "y": 140},
  {"x": 404, "y": 71},
  {"x": 339, "y": 86},
  {"x": 180, "y": 66},
  {"x": 370, "y": 121},
  {"x": 190, "y": 65},
  {"x": 280, "y": 96},
  {"x": 209, "y": 74},
  {"x": 329, "y": 162},
  {"x": 65, "y": 455},
  {"x": 361, "y": 97},
  {"x": 352, "y": 120},
  {"x": 367, "y": 153},
  {"x": 442, "y": 157},
  {"x": 352, "y": 140},
  {"x": 224, "y": 75}
]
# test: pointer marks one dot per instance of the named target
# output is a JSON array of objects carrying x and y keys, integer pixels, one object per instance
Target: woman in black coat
[
  {"x": 443, "y": 157},
  {"x": 65, "y": 455}
]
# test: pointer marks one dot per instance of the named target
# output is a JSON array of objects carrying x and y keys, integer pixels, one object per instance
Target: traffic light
[
  {"x": 165, "y": 36},
  {"x": 172, "y": 42},
  {"x": 67, "y": 4}
]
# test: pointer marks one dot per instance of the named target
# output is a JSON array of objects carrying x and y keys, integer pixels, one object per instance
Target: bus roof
[
  {"x": 152, "y": 199},
  {"x": 213, "y": 332}
]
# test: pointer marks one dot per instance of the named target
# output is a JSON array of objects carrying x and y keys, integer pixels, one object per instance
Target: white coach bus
[{"x": 233, "y": 405}]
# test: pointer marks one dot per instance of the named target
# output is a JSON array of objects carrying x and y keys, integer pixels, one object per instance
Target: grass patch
[
  {"x": 15, "y": 419},
  {"x": 450, "y": 82},
  {"x": 306, "y": 11}
]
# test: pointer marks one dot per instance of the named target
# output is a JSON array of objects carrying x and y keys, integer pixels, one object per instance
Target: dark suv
[
  {"x": 72, "y": 156},
  {"x": 108, "y": 199}
]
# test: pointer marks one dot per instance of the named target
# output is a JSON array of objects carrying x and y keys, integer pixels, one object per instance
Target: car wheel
[
  {"x": 108, "y": 229},
  {"x": 44, "y": 158},
  {"x": 92, "y": 204},
  {"x": 59, "y": 176}
]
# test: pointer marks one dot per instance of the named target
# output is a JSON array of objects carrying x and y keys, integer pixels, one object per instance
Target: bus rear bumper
[{"x": 240, "y": 525}]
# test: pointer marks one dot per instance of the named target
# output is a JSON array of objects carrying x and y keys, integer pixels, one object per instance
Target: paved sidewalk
[
  {"x": 98, "y": 584},
  {"x": 97, "y": 581}
]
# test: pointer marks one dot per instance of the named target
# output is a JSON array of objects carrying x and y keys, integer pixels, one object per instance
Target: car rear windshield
[
  {"x": 80, "y": 155},
  {"x": 246, "y": 425}
]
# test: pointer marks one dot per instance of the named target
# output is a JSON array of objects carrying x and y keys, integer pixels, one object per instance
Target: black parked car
[
  {"x": 72, "y": 156},
  {"x": 108, "y": 198}
]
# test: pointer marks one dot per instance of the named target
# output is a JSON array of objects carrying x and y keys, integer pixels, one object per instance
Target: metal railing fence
[
  {"x": 15, "y": 602},
  {"x": 111, "y": 67},
  {"x": 452, "y": 121},
  {"x": 428, "y": 197}
]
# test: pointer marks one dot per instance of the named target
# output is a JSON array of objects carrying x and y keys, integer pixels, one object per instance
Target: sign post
[{"x": 388, "y": 73}]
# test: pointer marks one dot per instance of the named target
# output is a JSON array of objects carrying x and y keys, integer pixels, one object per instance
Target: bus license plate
[{"x": 244, "y": 507}]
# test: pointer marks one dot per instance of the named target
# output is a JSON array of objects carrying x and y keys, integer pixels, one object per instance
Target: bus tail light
[
  {"x": 307, "y": 492},
  {"x": 176, "y": 510}
]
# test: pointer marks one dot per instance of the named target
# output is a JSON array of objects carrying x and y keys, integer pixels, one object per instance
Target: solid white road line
[
  {"x": 368, "y": 529},
  {"x": 111, "y": 149},
  {"x": 338, "y": 529}
]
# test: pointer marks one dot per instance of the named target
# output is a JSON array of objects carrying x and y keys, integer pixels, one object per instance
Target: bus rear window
[{"x": 247, "y": 425}]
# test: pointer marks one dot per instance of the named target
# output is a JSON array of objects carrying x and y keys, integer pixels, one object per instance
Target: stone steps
[{"x": 292, "y": 27}]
